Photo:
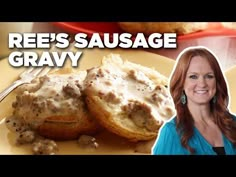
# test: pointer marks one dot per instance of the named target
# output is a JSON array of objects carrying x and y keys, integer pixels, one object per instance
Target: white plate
[{"x": 108, "y": 143}]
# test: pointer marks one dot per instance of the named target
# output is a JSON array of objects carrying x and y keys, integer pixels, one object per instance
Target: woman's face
[{"x": 200, "y": 81}]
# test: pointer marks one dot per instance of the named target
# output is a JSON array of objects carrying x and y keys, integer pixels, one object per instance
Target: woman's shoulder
[
  {"x": 170, "y": 124},
  {"x": 168, "y": 141}
]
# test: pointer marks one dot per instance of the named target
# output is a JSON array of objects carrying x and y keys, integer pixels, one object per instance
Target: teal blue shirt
[{"x": 168, "y": 142}]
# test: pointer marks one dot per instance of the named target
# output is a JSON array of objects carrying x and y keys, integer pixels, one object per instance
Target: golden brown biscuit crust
[{"x": 67, "y": 127}]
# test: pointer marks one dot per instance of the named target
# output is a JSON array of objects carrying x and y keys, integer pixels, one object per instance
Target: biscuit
[
  {"x": 54, "y": 106},
  {"x": 128, "y": 99}
]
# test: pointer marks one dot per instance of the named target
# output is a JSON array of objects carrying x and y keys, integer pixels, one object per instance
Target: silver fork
[{"x": 26, "y": 77}]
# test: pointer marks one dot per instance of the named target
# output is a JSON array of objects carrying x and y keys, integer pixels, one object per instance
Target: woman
[{"x": 203, "y": 124}]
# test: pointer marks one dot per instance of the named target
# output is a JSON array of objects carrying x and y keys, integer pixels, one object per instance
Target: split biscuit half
[{"x": 128, "y": 99}]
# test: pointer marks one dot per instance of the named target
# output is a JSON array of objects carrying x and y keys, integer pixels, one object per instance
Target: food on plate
[
  {"x": 54, "y": 106},
  {"x": 117, "y": 99},
  {"x": 162, "y": 27},
  {"x": 128, "y": 99}
]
